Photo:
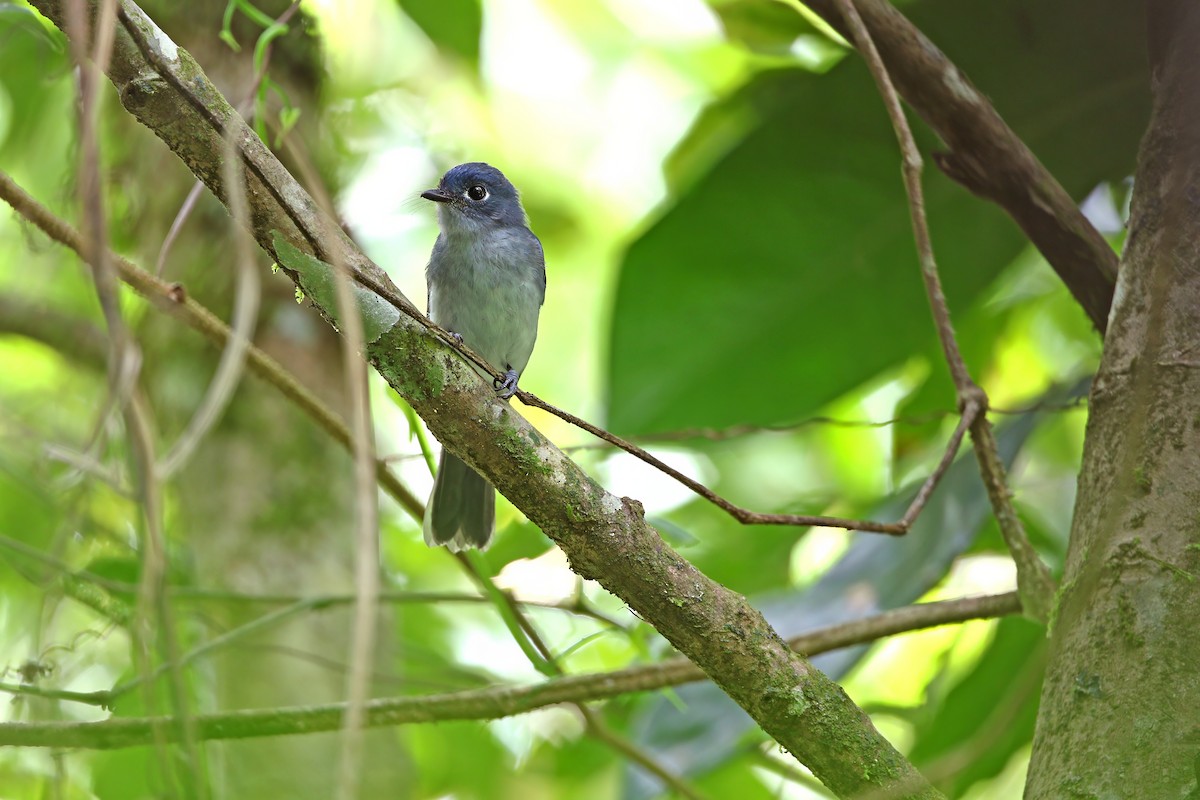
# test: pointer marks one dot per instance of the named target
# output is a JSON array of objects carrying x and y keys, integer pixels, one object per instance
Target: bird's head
[{"x": 476, "y": 195}]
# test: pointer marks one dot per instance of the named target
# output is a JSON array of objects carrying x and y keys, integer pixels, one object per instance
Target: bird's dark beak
[{"x": 437, "y": 195}]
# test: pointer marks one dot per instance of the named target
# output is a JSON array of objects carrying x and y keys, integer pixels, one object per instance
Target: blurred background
[{"x": 732, "y": 284}]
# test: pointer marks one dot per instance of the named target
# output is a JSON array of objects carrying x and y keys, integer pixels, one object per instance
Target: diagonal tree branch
[
  {"x": 494, "y": 702},
  {"x": 606, "y": 538},
  {"x": 985, "y": 155},
  {"x": 1034, "y": 581}
]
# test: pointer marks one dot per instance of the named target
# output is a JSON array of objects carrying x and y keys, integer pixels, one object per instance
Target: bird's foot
[
  {"x": 457, "y": 336},
  {"x": 506, "y": 387}
]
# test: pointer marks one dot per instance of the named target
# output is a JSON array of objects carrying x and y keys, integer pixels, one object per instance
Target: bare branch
[
  {"x": 247, "y": 291},
  {"x": 494, "y": 702},
  {"x": 171, "y": 298},
  {"x": 366, "y": 505},
  {"x": 1033, "y": 577}
]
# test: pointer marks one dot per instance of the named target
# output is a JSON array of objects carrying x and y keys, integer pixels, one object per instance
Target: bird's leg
[
  {"x": 457, "y": 336},
  {"x": 506, "y": 387}
]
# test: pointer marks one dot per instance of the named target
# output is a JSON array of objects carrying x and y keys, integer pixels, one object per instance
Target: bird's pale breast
[{"x": 485, "y": 289}]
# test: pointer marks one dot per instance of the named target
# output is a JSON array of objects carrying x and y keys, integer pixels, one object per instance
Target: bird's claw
[
  {"x": 506, "y": 387},
  {"x": 456, "y": 336}
]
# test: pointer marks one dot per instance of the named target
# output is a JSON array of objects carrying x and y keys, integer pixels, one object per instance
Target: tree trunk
[{"x": 1119, "y": 715}]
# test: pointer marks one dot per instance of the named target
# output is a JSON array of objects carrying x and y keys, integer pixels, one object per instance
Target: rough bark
[{"x": 1118, "y": 715}]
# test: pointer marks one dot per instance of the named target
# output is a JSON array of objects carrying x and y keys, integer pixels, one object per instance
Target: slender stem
[
  {"x": 1034, "y": 581},
  {"x": 173, "y": 299},
  {"x": 494, "y": 702}
]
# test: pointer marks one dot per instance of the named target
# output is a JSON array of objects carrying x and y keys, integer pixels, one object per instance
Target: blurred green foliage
[
  {"x": 719, "y": 196},
  {"x": 790, "y": 262}
]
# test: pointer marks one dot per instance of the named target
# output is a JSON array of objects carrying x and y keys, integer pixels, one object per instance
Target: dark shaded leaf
[
  {"x": 786, "y": 275},
  {"x": 988, "y": 715},
  {"x": 453, "y": 25}
]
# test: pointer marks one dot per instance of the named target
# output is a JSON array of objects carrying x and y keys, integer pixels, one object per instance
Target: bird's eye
[{"x": 477, "y": 193}]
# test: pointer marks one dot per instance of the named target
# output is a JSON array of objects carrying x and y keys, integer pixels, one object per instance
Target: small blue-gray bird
[{"x": 487, "y": 281}]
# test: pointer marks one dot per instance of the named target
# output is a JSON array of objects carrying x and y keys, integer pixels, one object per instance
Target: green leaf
[
  {"x": 989, "y": 714},
  {"x": 517, "y": 540},
  {"x": 461, "y": 759},
  {"x": 288, "y": 117},
  {"x": 316, "y": 278},
  {"x": 453, "y": 25},
  {"x": 786, "y": 275},
  {"x": 765, "y": 27},
  {"x": 33, "y": 94},
  {"x": 673, "y": 534}
]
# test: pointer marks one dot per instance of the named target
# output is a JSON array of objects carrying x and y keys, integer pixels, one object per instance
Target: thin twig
[
  {"x": 1034, "y": 581},
  {"x": 926, "y": 490},
  {"x": 243, "y": 108},
  {"x": 737, "y": 431},
  {"x": 742, "y": 515},
  {"x": 151, "y": 601},
  {"x": 124, "y": 357},
  {"x": 366, "y": 499},
  {"x": 502, "y": 701},
  {"x": 181, "y": 216},
  {"x": 173, "y": 299},
  {"x": 247, "y": 292},
  {"x": 108, "y": 474},
  {"x": 913, "y": 165}
]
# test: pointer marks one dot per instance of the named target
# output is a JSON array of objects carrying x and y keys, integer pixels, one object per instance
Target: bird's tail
[{"x": 462, "y": 509}]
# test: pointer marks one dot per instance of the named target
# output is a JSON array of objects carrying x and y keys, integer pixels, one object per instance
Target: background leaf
[
  {"x": 786, "y": 275},
  {"x": 956, "y": 745},
  {"x": 454, "y": 25}
]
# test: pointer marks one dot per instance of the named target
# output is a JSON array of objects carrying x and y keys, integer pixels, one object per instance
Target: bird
[{"x": 487, "y": 282}]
